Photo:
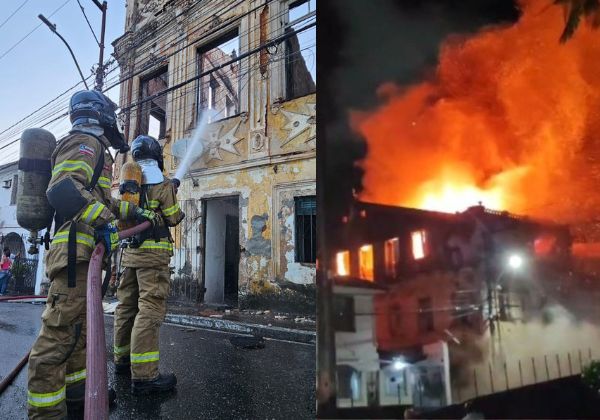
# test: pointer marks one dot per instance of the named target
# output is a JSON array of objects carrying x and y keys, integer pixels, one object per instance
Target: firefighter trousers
[
  {"x": 57, "y": 360},
  {"x": 142, "y": 307}
]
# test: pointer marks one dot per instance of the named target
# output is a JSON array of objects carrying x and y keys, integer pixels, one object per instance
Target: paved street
[{"x": 215, "y": 379}]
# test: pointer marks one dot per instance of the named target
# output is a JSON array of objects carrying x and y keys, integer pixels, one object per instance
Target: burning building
[
  {"x": 452, "y": 301},
  {"x": 249, "y": 197},
  {"x": 444, "y": 281}
]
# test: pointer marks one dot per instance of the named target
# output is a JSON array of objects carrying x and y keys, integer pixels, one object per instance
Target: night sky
[{"x": 363, "y": 44}]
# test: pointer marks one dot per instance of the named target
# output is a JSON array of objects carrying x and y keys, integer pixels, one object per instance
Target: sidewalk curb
[{"x": 279, "y": 333}]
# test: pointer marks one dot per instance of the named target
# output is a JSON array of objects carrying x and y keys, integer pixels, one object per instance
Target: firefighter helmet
[
  {"x": 146, "y": 147},
  {"x": 93, "y": 107}
]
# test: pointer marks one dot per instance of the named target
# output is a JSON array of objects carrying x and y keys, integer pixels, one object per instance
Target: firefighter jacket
[
  {"x": 73, "y": 162},
  {"x": 155, "y": 247}
]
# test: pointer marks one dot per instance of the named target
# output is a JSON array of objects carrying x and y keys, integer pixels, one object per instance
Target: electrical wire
[
  {"x": 274, "y": 42},
  {"x": 13, "y": 13},
  {"x": 88, "y": 22},
  {"x": 32, "y": 31}
]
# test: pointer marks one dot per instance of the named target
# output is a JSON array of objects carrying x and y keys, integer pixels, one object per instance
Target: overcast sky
[{"x": 40, "y": 67}]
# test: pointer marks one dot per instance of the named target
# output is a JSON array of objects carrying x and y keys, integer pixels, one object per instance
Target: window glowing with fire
[
  {"x": 342, "y": 262},
  {"x": 419, "y": 244},
  {"x": 365, "y": 262}
]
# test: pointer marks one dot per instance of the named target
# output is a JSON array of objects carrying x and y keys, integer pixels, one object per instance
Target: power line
[
  {"x": 13, "y": 13},
  {"x": 173, "y": 97},
  {"x": 222, "y": 10},
  {"x": 32, "y": 31},
  {"x": 268, "y": 45},
  {"x": 219, "y": 67},
  {"x": 88, "y": 22},
  {"x": 199, "y": 25}
]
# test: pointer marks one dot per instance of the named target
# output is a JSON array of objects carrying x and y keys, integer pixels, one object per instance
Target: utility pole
[{"x": 100, "y": 70}]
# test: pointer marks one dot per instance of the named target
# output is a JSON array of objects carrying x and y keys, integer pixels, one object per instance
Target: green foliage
[
  {"x": 20, "y": 270},
  {"x": 591, "y": 375}
]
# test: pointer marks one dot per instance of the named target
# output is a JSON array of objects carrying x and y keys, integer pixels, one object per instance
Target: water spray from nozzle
[{"x": 195, "y": 147}]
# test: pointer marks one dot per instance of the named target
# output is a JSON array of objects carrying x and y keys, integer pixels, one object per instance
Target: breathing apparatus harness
[{"x": 65, "y": 210}]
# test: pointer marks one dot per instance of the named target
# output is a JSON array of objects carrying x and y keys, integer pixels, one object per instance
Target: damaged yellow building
[{"x": 248, "y": 69}]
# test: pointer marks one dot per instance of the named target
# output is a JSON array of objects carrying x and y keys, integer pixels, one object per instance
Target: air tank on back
[{"x": 34, "y": 213}]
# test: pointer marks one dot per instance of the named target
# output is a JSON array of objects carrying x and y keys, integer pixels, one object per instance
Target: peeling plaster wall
[{"x": 259, "y": 218}]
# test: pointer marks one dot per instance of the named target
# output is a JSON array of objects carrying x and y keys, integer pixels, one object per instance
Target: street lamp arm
[{"x": 53, "y": 29}]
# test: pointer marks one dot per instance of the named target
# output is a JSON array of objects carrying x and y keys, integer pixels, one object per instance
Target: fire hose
[{"x": 96, "y": 386}]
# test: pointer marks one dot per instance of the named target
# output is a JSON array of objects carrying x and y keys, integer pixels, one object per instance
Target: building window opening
[
  {"x": 219, "y": 90},
  {"x": 342, "y": 263},
  {"x": 301, "y": 50},
  {"x": 306, "y": 229},
  {"x": 419, "y": 244},
  {"x": 425, "y": 315},
  {"x": 392, "y": 257},
  {"x": 153, "y": 114},
  {"x": 365, "y": 262}
]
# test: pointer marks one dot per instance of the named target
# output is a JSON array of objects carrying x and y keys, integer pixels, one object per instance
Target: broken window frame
[
  {"x": 305, "y": 217},
  {"x": 151, "y": 109},
  {"x": 288, "y": 61},
  {"x": 207, "y": 82}
]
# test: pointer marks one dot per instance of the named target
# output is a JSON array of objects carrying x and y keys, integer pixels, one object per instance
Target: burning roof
[{"x": 511, "y": 118}]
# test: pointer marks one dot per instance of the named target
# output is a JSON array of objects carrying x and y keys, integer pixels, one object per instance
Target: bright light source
[
  {"x": 515, "y": 261},
  {"x": 418, "y": 239},
  {"x": 343, "y": 263},
  {"x": 399, "y": 365},
  {"x": 365, "y": 262}
]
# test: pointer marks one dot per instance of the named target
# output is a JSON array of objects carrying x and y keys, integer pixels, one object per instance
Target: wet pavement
[{"x": 215, "y": 379}]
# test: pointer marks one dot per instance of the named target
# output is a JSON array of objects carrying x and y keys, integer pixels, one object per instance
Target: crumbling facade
[{"x": 248, "y": 70}]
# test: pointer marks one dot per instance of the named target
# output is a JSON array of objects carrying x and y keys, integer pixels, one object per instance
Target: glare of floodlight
[
  {"x": 515, "y": 261},
  {"x": 399, "y": 365}
]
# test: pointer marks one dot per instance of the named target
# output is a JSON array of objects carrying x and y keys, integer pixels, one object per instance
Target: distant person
[{"x": 5, "y": 265}]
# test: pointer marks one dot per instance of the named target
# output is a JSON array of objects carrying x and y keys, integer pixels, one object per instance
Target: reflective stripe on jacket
[{"x": 161, "y": 199}]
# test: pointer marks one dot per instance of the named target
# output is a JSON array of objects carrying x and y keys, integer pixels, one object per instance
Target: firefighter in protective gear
[
  {"x": 144, "y": 285},
  {"x": 79, "y": 191}
]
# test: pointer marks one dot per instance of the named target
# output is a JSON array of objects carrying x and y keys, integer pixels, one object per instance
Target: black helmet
[
  {"x": 146, "y": 147},
  {"x": 93, "y": 107}
]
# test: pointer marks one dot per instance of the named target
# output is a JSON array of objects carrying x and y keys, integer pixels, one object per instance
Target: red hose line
[
  {"x": 96, "y": 385},
  {"x": 13, "y": 374}
]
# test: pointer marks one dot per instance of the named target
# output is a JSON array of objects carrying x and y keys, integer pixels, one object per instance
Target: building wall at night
[{"x": 435, "y": 268}]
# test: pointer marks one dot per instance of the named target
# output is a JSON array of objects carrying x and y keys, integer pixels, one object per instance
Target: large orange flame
[{"x": 511, "y": 118}]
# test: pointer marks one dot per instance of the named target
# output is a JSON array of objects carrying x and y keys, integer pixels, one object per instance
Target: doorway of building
[{"x": 222, "y": 245}]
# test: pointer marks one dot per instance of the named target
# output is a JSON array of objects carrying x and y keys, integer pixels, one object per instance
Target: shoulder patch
[{"x": 86, "y": 150}]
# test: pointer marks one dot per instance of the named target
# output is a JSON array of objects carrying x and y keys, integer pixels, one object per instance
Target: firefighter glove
[
  {"x": 109, "y": 235},
  {"x": 143, "y": 214}
]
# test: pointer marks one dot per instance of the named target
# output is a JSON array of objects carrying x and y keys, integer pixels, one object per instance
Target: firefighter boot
[
  {"x": 123, "y": 367},
  {"x": 162, "y": 383}
]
